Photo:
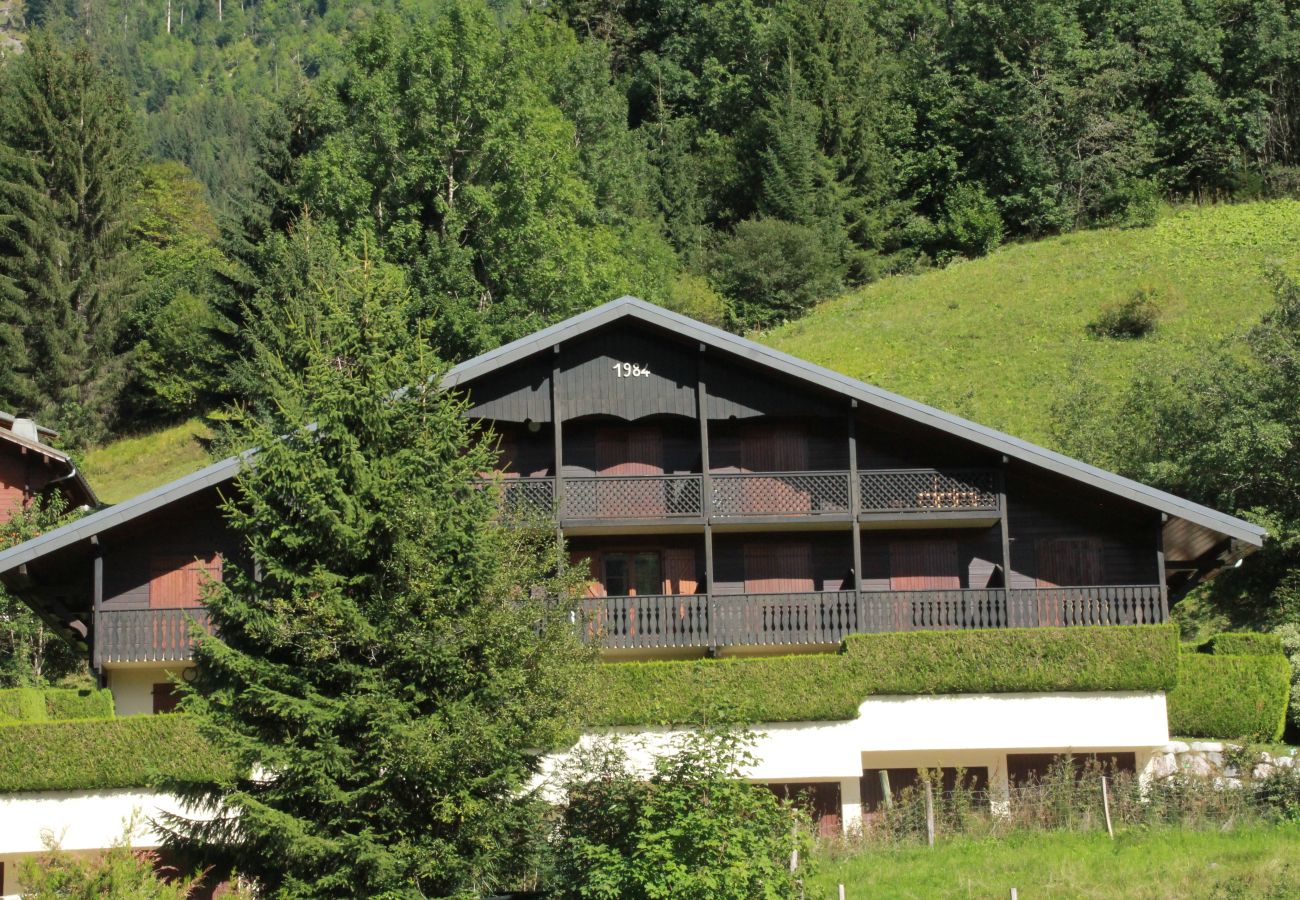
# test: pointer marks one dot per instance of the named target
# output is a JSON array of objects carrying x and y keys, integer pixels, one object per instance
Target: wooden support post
[
  {"x": 1015, "y": 615},
  {"x": 885, "y": 792},
  {"x": 97, "y": 618},
  {"x": 706, "y": 495},
  {"x": 1160, "y": 567},
  {"x": 557, "y": 430},
  {"x": 929, "y": 812},
  {"x": 855, "y": 505}
]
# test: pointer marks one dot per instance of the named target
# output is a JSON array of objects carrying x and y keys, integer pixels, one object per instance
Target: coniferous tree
[
  {"x": 68, "y": 158},
  {"x": 388, "y": 671}
]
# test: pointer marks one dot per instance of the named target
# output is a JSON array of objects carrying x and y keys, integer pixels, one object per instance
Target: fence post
[
  {"x": 1105, "y": 805},
  {"x": 884, "y": 789},
  {"x": 929, "y": 812}
]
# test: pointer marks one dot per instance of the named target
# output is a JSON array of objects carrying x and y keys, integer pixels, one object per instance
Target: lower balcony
[
  {"x": 146, "y": 635},
  {"x": 827, "y": 617}
]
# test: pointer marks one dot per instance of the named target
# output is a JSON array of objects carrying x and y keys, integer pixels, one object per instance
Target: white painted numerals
[{"x": 631, "y": 370}]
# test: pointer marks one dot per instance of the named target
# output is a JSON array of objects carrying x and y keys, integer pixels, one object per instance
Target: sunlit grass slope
[
  {"x": 998, "y": 339},
  {"x": 1161, "y": 865},
  {"x": 128, "y": 466}
]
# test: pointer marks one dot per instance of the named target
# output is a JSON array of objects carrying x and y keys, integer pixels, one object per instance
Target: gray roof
[{"x": 633, "y": 308}]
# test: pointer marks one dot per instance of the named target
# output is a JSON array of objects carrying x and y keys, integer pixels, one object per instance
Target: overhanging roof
[{"x": 639, "y": 310}]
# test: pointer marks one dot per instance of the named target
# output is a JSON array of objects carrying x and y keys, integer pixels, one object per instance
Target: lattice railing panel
[
  {"x": 781, "y": 494},
  {"x": 927, "y": 490},
  {"x": 633, "y": 497},
  {"x": 528, "y": 498}
]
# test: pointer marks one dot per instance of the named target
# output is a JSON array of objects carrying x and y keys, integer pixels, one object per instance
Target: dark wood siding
[
  {"x": 1050, "y": 522},
  {"x": 678, "y": 439},
  {"x": 825, "y": 565},
  {"x": 975, "y": 564},
  {"x": 516, "y": 393},
  {"x": 737, "y": 391},
  {"x": 590, "y": 386}
]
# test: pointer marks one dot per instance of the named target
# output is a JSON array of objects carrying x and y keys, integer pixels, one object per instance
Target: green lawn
[
  {"x": 128, "y": 466},
  {"x": 1251, "y": 862},
  {"x": 998, "y": 339}
]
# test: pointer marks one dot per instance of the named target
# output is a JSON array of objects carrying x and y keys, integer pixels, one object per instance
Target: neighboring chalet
[
  {"x": 29, "y": 467},
  {"x": 729, "y": 499}
]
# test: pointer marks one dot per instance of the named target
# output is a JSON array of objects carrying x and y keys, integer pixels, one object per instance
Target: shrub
[
  {"x": 1246, "y": 643},
  {"x": 691, "y": 296},
  {"x": 1230, "y": 696},
  {"x": 831, "y": 686},
  {"x": 770, "y": 270},
  {"x": 54, "y": 704},
  {"x": 694, "y": 829},
  {"x": 1133, "y": 318},
  {"x": 98, "y": 754},
  {"x": 972, "y": 225},
  {"x": 119, "y": 871}
]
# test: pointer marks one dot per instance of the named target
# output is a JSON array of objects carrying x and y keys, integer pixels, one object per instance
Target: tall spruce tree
[
  {"x": 68, "y": 161},
  {"x": 384, "y": 682}
]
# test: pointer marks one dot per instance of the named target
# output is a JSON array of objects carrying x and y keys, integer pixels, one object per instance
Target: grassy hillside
[
  {"x": 128, "y": 466},
  {"x": 998, "y": 339}
]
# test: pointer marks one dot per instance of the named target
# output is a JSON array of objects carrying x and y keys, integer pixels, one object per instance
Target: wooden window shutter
[
  {"x": 592, "y": 565},
  {"x": 165, "y": 697},
  {"x": 778, "y": 568},
  {"x": 1065, "y": 562},
  {"x": 179, "y": 581},
  {"x": 679, "y": 572},
  {"x": 923, "y": 566}
]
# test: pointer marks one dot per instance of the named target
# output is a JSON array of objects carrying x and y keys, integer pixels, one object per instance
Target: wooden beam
[
  {"x": 558, "y": 430},
  {"x": 1012, "y": 619},
  {"x": 706, "y": 492},
  {"x": 855, "y": 503},
  {"x": 1160, "y": 566},
  {"x": 97, "y": 655}
]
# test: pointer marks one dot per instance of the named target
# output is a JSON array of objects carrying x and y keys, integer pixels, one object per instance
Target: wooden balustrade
[{"x": 147, "y": 635}]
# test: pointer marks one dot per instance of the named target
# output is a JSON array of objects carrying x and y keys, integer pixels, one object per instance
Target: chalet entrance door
[{"x": 631, "y": 452}]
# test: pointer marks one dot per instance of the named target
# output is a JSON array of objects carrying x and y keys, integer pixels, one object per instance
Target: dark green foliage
[
  {"x": 1230, "y": 697},
  {"x": 54, "y": 704},
  {"x": 119, "y": 871},
  {"x": 1135, "y": 317},
  {"x": 827, "y": 687},
  {"x": 770, "y": 271},
  {"x": 692, "y": 829},
  {"x": 395, "y": 666},
  {"x": 101, "y": 754},
  {"x": 1245, "y": 643},
  {"x": 972, "y": 225},
  {"x": 68, "y": 160},
  {"x": 31, "y": 653}
]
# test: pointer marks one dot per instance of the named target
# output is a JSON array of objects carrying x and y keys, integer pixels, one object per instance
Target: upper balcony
[{"x": 947, "y": 497}]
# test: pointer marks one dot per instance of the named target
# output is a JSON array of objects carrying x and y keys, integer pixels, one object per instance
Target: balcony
[
  {"x": 892, "y": 495},
  {"x": 146, "y": 635},
  {"x": 827, "y": 617}
]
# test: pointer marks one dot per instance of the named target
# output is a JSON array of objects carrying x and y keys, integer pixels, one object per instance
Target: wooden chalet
[{"x": 727, "y": 498}]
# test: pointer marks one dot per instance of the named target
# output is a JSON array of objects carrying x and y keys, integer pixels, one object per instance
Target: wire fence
[{"x": 1085, "y": 795}]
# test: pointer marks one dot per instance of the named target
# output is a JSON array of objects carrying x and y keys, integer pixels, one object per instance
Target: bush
[
  {"x": 1134, "y": 318},
  {"x": 1230, "y": 697},
  {"x": 694, "y": 829},
  {"x": 119, "y": 871},
  {"x": 972, "y": 225},
  {"x": 831, "y": 686},
  {"x": 770, "y": 271},
  {"x": 54, "y": 704},
  {"x": 1245, "y": 643},
  {"x": 99, "y": 754}
]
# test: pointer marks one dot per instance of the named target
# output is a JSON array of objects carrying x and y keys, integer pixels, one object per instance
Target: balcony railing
[
  {"x": 905, "y": 493},
  {"x": 781, "y": 494},
  {"x": 827, "y": 617},
  {"x": 633, "y": 497},
  {"x": 146, "y": 635},
  {"x": 912, "y": 491}
]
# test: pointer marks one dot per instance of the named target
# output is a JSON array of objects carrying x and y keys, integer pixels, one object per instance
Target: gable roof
[
  {"x": 74, "y": 474},
  {"x": 638, "y": 310}
]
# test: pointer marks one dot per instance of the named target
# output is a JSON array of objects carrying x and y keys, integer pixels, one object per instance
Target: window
[
  {"x": 1030, "y": 768},
  {"x": 165, "y": 697},
  {"x": 179, "y": 581},
  {"x": 633, "y": 574},
  {"x": 975, "y": 780},
  {"x": 820, "y": 798}
]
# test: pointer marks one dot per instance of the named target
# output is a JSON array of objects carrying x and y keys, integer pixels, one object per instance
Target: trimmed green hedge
[
  {"x": 1245, "y": 643},
  {"x": 53, "y": 704},
  {"x": 830, "y": 686},
  {"x": 1221, "y": 696},
  {"x": 99, "y": 754}
]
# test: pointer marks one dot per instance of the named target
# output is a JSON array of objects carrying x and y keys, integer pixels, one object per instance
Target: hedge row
[
  {"x": 53, "y": 704},
  {"x": 99, "y": 754},
  {"x": 1245, "y": 643},
  {"x": 1221, "y": 696},
  {"x": 827, "y": 687}
]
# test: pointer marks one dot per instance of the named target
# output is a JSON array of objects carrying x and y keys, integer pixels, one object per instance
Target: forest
[{"x": 172, "y": 170}]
